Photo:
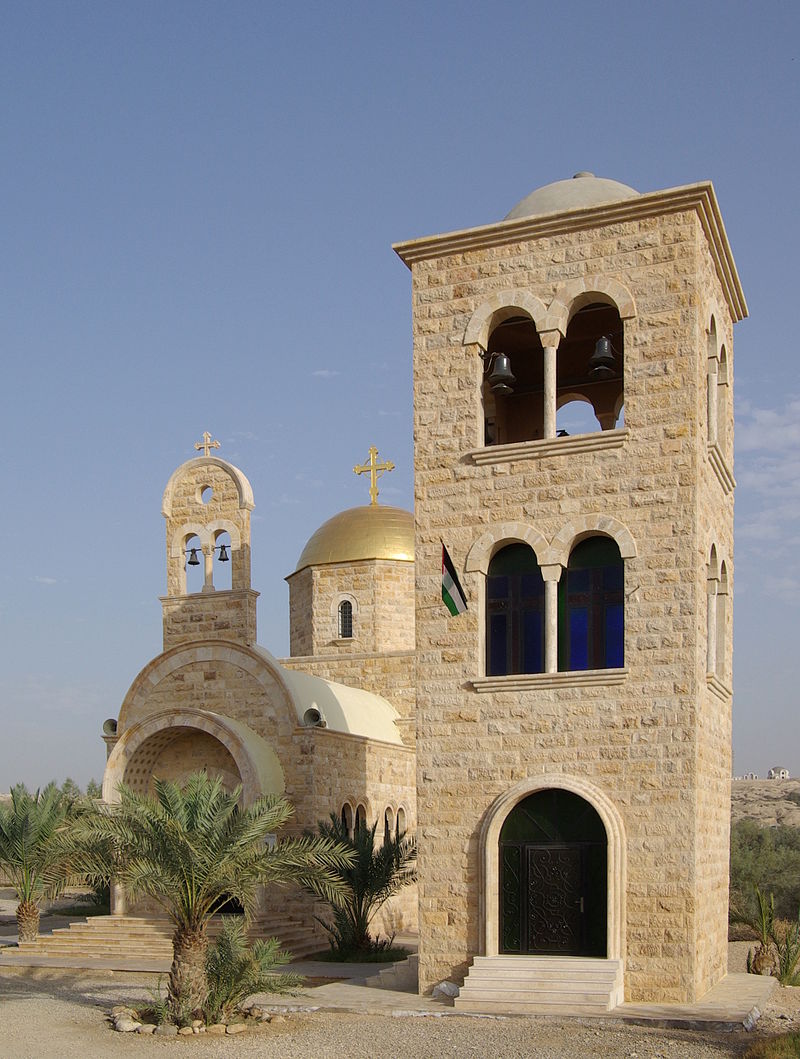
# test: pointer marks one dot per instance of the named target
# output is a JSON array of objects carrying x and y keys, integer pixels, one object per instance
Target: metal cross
[
  {"x": 375, "y": 470},
  {"x": 206, "y": 444}
]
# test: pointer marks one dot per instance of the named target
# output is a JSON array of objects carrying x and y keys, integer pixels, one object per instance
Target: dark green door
[{"x": 552, "y": 891}]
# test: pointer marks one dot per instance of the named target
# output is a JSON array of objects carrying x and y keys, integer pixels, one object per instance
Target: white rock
[
  {"x": 446, "y": 989},
  {"x": 125, "y": 1024}
]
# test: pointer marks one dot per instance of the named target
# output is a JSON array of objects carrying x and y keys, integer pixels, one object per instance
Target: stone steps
[
  {"x": 402, "y": 977},
  {"x": 138, "y": 943},
  {"x": 544, "y": 985}
]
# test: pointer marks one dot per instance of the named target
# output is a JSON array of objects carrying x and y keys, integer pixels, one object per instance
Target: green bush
[
  {"x": 235, "y": 970},
  {"x": 769, "y": 858}
]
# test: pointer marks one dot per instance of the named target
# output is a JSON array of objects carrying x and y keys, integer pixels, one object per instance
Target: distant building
[{"x": 778, "y": 773}]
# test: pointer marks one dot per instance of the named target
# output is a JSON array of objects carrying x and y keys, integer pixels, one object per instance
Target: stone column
[
  {"x": 117, "y": 899},
  {"x": 550, "y": 341},
  {"x": 208, "y": 559},
  {"x": 551, "y": 576}
]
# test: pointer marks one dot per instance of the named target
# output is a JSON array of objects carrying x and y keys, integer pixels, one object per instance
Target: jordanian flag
[{"x": 452, "y": 592}]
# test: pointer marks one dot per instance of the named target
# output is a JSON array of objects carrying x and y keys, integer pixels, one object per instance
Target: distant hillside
[{"x": 768, "y": 802}]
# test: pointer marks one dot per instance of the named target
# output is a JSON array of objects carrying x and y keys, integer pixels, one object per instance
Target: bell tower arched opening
[
  {"x": 514, "y": 412},
  {"x": 590, "y": 371}
]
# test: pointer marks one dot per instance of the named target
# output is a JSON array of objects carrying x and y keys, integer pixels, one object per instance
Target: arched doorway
[{"x": 553, "y": 860}]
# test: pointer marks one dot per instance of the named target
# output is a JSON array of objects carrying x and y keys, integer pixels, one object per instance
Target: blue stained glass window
[
  {"x": 514, "y": 612},
  {"x": 591, "y": 607}
]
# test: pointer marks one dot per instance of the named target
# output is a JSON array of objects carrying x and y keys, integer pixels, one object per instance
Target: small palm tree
[
  {"x": 31, "y": 854},
  {"x": 192, "y": 848},
  {"x": 375, "y": 874}
]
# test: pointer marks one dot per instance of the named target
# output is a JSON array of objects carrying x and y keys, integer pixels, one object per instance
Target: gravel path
[{"x": 50, "y": 1015}]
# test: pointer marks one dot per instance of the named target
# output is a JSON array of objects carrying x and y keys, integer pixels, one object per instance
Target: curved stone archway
[
  {"x": 616, "y": 856},
  {"x": 254, "y": 759}
]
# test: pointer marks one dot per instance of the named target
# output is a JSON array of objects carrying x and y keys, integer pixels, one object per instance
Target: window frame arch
[
  {"x": 597, "y": 600},
  {"x": 336, "y": 603}
]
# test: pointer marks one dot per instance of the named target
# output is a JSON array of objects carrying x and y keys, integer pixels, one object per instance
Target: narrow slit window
[{"x": 345, "y": 620}]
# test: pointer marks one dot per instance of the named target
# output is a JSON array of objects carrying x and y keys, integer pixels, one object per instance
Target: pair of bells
[
  {"x": 602, "y": 365},
  {"x": 194, "y": 561}
]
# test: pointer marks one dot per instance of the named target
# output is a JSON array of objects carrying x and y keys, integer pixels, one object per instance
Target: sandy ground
[
  {"x": 47, "y": 1014},
  {"x": 55, "y": 1014}
]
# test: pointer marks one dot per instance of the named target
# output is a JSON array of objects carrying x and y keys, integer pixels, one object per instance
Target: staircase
[
  {"x": 402, "y": 977},
  {"x": 541, "y": 985},
  {"x": 134, "y": 943}
]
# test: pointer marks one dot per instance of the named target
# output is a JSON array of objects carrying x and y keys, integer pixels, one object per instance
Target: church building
[{"x": 561, "y": 747}]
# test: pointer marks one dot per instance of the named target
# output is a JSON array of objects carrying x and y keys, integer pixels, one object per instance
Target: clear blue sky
[{"x": 198, "y": 203}]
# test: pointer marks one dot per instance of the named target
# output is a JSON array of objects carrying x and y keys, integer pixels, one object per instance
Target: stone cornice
[
  {"x": 699, "y": 197},
  {"x": 520, "y": 450},
  {"x": 713, "y": 683},
  {"x": 535, "y": 681},
  {"x": 721, "y": 468}
]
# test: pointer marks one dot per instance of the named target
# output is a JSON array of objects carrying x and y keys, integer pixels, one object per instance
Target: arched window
[
  {"x": 591, "y": 623},
  {"x": 590, "y": 370},
  {"x": 361, "y": 817},
  {"x": 222, "y": 561},
  {"x": 194, "y": 563},
  {"x": 721, "y": 623},
  {"x": 347, "y": 819},
  {"x": 388, "y": 821},
  {"x": 401, "y": 822},
  {"x": 723, "y": 397},
  {"x": 514, "y": 613},
  {"x": 345, "y": 620},
  {"x": 518, "y": 414}
]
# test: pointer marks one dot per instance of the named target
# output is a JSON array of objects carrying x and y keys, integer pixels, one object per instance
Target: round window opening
[{"x": 204, "y": 493}]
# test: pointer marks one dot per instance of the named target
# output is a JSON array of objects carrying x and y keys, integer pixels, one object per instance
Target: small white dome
[{"x": 584, "y": 189}]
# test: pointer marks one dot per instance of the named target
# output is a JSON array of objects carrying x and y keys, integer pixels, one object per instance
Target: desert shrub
[{"x": 768, "y": 858}]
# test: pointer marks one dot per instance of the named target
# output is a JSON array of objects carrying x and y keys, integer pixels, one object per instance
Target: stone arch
[
  {"x": 616, "y": 852},
  {"x": 257, "y": 763},
  {"x": 243, "y": 488},
  {"x": 206, "y": 533},
  {"x": 501, "y": 306},
  {"x": 573, "y": 532},
  {"x": 482, "y": 550},
  {"x": 573, "y": 295},
  {"x": 255, "y": 663}
]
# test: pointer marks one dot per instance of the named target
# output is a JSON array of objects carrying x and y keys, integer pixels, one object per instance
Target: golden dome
[{"x": 375, "y": 531}]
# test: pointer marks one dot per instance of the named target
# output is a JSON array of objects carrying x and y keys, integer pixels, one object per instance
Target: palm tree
[
  {"x": 31, "y": 854},
  {"x": 192, "y": 848},
  {"x": 374, "y": 875}
]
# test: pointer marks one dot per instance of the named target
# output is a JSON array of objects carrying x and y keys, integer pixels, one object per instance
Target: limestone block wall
[
  {"x": 381, "y": 592},
  {"x": 641, "y": 735},
  {"x": 225, "y": 615}
]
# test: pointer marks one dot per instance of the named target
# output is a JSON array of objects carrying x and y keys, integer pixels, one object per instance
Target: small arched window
[
  {"x": 723, "y": 399},
  {"x": 591, "y": 607},
  {"x": 388, "y": 822},
  {"x": 347, "y": 819},
  {"x": 361, "y": 817},
  {"x": 514, "y": 612},
  {"x": 401, "y": 822},
  {"x": 589, "y": 371},
  {"x": 722, "y": 623},
  {"x": 345, "y": 620}
]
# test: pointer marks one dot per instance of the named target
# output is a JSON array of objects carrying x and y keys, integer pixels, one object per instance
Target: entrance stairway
[
  {"x": 541, "y": 985},
  {"x": 138, "y": 943}
]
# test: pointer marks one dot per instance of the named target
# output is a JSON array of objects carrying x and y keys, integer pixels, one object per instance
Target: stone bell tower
[
  {"x": 207, "y": 505},
  {"x": 573, "y": 451}
]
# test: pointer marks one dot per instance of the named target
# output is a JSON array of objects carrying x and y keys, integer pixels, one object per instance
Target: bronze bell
[
  {"x": 602, "y": 363},
  {"x": 223, "y": 554},
  {"x": 501, "y": 378},
  {"x": 193, "y": 560}
]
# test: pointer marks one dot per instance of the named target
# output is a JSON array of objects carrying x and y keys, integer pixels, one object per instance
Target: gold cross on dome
[
  {"x": 206, "y": 444},
  {"x": 375, "y": 470}
]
